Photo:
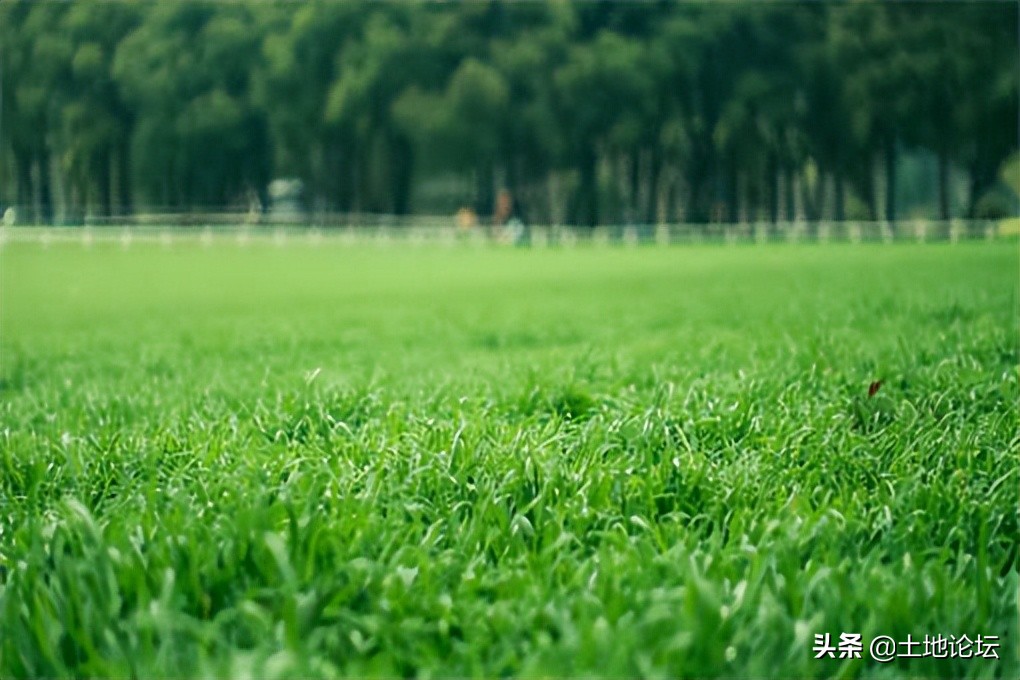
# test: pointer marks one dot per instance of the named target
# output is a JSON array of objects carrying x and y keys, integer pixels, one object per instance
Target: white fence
[{"x": 443, "y": 231}]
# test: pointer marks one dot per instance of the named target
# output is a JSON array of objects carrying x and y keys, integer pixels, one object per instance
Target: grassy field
[{"x": 292, "y": 462}]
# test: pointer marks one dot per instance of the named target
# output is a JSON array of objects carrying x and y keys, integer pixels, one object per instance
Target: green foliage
[
  {"x": 682, "y": 111},
  {"x": 607, "y": 462},
  {"x": 201, "y": 140},
  {"x": 1011, "y": 174}
]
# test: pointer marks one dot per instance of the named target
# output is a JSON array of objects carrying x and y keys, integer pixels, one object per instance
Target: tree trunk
[
  {"x": 358, "y": 182},
  {"x": 348, "y": 181},
  {"x": 978, "y": 183},
  {"x": 821, "y": 197},
  {"x": 514, "y": 185},
  {"x": 402, "y": 173},
  {"x": 45, "y": 191},
  {"x": 123, "y": 191},
  {"x": 652, "y": 197},
  {"x": 702, "y": 179},
  {"x": 789, "y": 199},
  {"x": 890, "y": 181},
  {"x": 943, "y": 161},
  {"x": 772, "y": 178},
  {"x": 672, "y": 189},
  {"x": 484, "y": 196},
  {"x": 333, "y": 186},
  {"x": 23, "y": 164},
  {"x": 813, "y": 198},
  {"x": 104, "y": 183},
  {"x": 178, "y": 188},
  {"x": 635, "y": 185},
  {"x": 732, "y": 193},
  {"x": 695, "y": 210},
  {"x": 868, "y": 189},
  {"x": 838, "y": 210},
  {"x": 589, "y": 199},
  {"x": 973, "y": 195}
]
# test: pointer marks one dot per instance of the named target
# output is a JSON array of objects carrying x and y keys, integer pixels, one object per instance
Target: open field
[{"x": 314, "y": 461}]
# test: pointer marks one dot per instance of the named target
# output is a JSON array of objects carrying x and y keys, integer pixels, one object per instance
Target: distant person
[
  {"x": 515, "y": 231},
  {"x": 467, "y": 220},
  {"x": 504, "y": 208}
]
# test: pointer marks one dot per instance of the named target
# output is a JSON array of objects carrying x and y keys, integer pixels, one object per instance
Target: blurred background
[{"x": 494, "y": 113}]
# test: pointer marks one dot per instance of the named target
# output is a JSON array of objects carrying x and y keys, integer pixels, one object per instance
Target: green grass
[{"x": 290, "y": 462}]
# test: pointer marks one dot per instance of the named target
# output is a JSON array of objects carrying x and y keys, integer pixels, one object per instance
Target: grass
[{"x": 289, "y": 462}]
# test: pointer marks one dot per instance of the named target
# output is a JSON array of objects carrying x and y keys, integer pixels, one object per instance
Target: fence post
[
  {"x": 661, "y": 234},
  {"x": 886, "y": 231},
  {"x": 856, "y": 232},
  {"x": 630, "y": 235},
  {"x": 824, "y": 232},
  {"x": 955, "y": 228}
]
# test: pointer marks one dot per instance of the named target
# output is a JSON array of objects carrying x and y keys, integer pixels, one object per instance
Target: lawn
[{"x": 306, "y": 461}]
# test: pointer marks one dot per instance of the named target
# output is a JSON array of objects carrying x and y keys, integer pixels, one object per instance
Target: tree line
[{"x": 585, "y": 113}]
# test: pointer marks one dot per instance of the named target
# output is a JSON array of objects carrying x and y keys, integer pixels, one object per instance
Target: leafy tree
[
  {"x": 880, "y": 94},
  {"x": 986, "y": 103},
  {"x": 36, "y": 64},
  {"x": 532, "y": 137},
  {"x": 201, "y": 141},
  {"x": 700, "y": 45},
  {"x": 611, "y": 110},
  {"x": 301, "y": 53},
  {"x": 468, "y": 120},
  {"x": 597, "y": 80},
  {"x": 96, "y": 122},
  {"x": 387, "y": 60}
]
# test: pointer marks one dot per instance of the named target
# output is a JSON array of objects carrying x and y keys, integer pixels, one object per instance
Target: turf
[{"x": 353, "y": 460}]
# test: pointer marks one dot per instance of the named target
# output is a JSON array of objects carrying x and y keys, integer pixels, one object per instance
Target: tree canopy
[{"x": 586, "y": 113}]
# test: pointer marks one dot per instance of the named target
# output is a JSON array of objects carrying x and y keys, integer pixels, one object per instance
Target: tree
[
  {"x": 532, "y": 137},
  {"x": 200, "y": 142},
  {"x": 301, "y": 53},
  {"x": 986, "y": 105},
  {"x": 597, "y": 82},
  {"x": 616, "y": 111},
  {"x": 391, "y": 57},
  {"x": 468, "y": 120},
  {"x": 96, "y": 122},
  {"x": 868, "y": 43},
  {"x": 37, "y": 74}
]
